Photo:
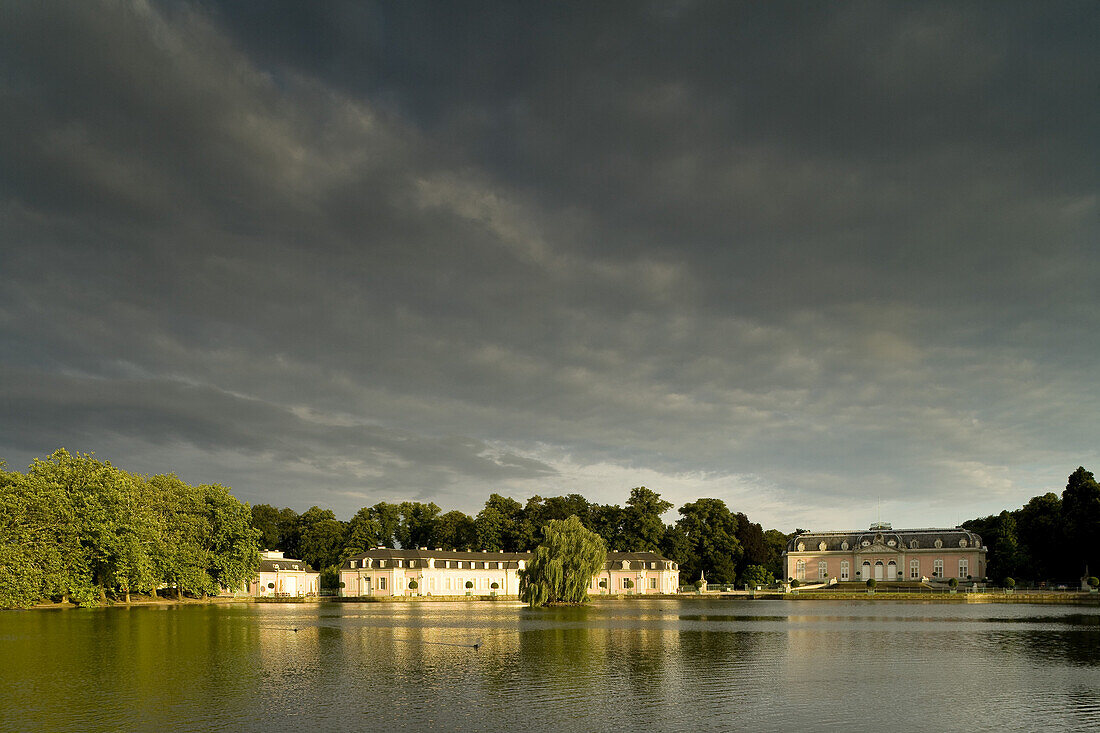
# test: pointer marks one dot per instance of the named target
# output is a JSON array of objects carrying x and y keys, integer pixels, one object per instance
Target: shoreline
[{"x": 1059, "y": 599}]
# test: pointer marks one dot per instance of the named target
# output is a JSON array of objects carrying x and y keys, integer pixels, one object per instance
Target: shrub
[
  {"x": 697, "y": 584},
  {"x": 271, "y": 586},
  {"x": 343, "y": 584},
  {"x": 469, "y": 584},
  {"x": 494, "y": 585},
  {"x": 795, "y": 583},
  {"x": 954, "y": 583},
  {"x": 1093, "y": 581},
  {"x": 1010, "y": 582},
  {"x": 603, "y": 583},
  {"x": 628, "y": 583},
  {"x": 413, "y": 585},
  {"x": 871, "y": 583}
]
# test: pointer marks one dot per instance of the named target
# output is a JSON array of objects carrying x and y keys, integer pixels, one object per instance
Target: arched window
[
  {"x": 823, "y": 569},
  {"x": 914, "y": 569},
  {"x": 937, "y": 568},
  {"x": 964, "y": 568},
  {"x": 800, "y": 570},
  {"x": 844, "y": 570}
]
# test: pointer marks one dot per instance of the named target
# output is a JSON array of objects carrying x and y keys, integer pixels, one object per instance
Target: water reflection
[{"x": 663, "y": 665}]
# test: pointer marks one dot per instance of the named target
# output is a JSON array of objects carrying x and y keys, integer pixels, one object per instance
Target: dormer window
[
  {"x": 844, "y": 545},
  {"x": 939, "y": 543},
  {"x": 914, "y": 544},
  {"x": 801, "y": 547},
  {"x": 276, "y": 566},
  {"x": 821, "y": 546},
  {"x": 962, "y": 542},
  {"x": 891, "y": 543},
  {"x": 381, "y": 563},
  {"x": 866, "y": 543},
  {"x": 352, "y": 565}
]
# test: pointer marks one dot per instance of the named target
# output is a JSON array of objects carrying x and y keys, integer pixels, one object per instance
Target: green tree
[
  {"x": 418, "y": 524},
  {"x": 1081, "y": 516},
  {"x": 711, "y": 530},
  {"x": 676, "y": 546},
  {"x": 755, "y": 575},
  {"x": 498, "y": 524},
  {"x": 322, "y": 537},
  {"x": 562, "y": 567},
  {"x": 753, "y": 545},
  {"x": 363, "y": 533},
  {"x": 388, "y": 517},
  {"x": 776, "y": 543},
  {"x": 1040, "y": 530},
  {"x": 607, "y": 521},
  {"x": 642, "y": 526},
  {"x": 457, "y": 530},
  {"x": 265, "y": 518}
]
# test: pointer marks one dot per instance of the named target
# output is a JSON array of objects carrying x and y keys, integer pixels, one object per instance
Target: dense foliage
[
  {"x": 707, "y": 538},
  {"x": 561, "y": 567},
  {"x": 77, "y": 528},
  {"x": 1050, "y": 539}
]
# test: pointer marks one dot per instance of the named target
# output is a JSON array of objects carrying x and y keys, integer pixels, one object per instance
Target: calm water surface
[{"x": 659, "y": 665}]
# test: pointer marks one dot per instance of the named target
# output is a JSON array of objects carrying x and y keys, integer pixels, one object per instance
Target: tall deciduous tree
[
  {"x": 418, "y": 524},
  {"x": 1081, "y": 513},
  {"x": 562, "y": 567},
  {"x": 498, "y": 524},
  {"x": 457, "y": 531},
  {"x": 363, "y": 533},
  {"x": 641, "y": 520},
  {"x": 711, "y": 530}
]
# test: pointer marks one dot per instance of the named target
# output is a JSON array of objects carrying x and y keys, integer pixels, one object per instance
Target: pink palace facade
[
  {"x": 389, "y": 572},
  {"x": 884, "y": 554}
]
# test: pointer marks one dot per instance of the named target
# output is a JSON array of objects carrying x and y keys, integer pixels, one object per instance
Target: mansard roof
[
  {"x": 925, "y": 539},
  {"x": 282, "y": 565},
  {"x": 386, "y": 553}
]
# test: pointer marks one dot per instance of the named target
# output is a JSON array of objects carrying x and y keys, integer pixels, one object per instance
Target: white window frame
[
  {"x": 914, "y": 569},
  {"x": 844, "y": 570},
  {"x": 964, "y": 568},
  {"x": 937, "y": 568},
  {"x": 800, "y": 570},
  {"x": 822, "y": 570}
]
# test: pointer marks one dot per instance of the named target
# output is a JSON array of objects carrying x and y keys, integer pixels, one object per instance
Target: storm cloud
[{"x": 828, "y": 263}]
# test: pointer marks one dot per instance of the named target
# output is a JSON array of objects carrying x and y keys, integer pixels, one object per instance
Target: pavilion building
[
  {"x": 885, "y": 554},
  {"x": 389, "y": 572}
]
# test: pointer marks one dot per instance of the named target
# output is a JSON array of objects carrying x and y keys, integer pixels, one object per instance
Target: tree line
[
  {"x": 1050, "y": 539},
  {"x": 707, "y": 537},
  {"x": 79, "y": 529}
]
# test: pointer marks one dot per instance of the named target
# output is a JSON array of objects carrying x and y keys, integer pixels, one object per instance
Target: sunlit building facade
[
  {"x": 390, "y": 572},
  {"x": 280, "y": 576},
  {"x": 885, "y": 554}
]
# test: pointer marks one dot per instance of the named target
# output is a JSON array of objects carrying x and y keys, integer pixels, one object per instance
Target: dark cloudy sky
[{"x": 829, "y": 262}]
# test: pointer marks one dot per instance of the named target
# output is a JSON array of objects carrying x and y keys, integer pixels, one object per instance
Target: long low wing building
[
  {"x": 388, "y": 572},
  {"x": 885, "y": 554}
]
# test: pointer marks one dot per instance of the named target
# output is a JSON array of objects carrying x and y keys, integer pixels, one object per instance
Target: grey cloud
[{"x": 411, "y": 248}]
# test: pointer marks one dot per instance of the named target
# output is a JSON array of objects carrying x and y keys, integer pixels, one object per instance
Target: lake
[{"x": 659, "y": 665}]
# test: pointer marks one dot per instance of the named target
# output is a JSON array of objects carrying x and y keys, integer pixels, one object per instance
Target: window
[
  {"x": 964, "y": 566},
  {"x": 937, "y": 568},
  {"x": 653, "y": 583},
  {"x": 844, "y": 570},
  {"x": 382, "y": 584},
  {"x": 381, "y": 563},
  {"x": 800, "y": 570},
  {"x": 914, "y": 569},
  {"x": 353, "y": 565},
  {"x": 624, "y": 581},
  {"x": 823, "y": 569}
]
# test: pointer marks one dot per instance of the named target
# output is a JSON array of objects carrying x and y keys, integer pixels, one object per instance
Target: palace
[
  {"x": 388, "y": 572},
  {"x": 283, "y": 576},
  {"x": 883, "y": 553}
]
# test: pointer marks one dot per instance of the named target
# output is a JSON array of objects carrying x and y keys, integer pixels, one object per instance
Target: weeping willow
[{"x": 562, "y": 567}]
